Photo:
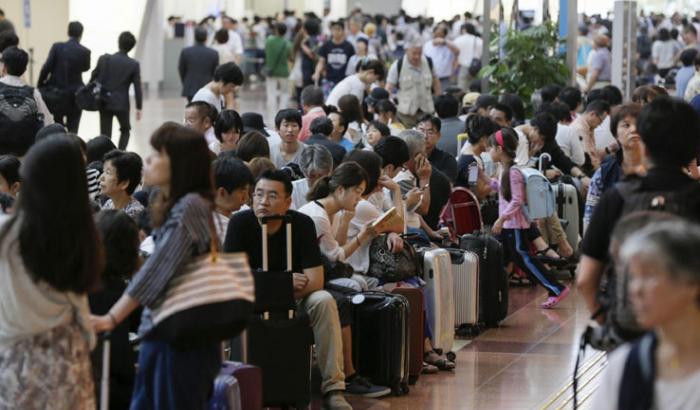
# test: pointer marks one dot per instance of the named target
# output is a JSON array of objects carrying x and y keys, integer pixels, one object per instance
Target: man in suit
[
  {"x": 197, "y": 64},
  {"x": 117, "y": 72},
  {"x": 62, "y": 72}
]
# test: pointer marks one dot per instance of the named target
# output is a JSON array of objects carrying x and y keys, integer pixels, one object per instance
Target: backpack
[
  {"x": 462, "y": 213},
  {"x": 539, "y": 193},
  {"x": 20, "y": 119},
  {"x": 399, "y": 65}
]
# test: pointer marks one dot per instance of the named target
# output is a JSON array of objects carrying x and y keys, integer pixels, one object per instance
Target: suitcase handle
[{"x": 104, "y": 381}]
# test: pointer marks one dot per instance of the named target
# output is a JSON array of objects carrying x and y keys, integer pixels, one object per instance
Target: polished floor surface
[{"x": 526, "y": 363}]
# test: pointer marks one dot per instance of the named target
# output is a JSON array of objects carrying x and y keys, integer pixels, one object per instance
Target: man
[
  {"x": 502, "y": 115},
  {"x": 200, "y": 116},
  {"x": 444, "y": 55},
  {"x": 6, "y": 25},
  {"x": 62, "y": 72},
  {"x": 19, "y": 124},
  {"x": 277, "y": 50},
  {"x": 599, "y": 68},
  {"x": 312, "y": 105},
  {"x": 566, "y": 138},
  {"x": 197, "y": 64},
  {"x": 430, "y": 127},
  {"x": 272, "y": 196},
  {"x": 333, "y": 57},
  {"x": 669, "y": 129},
  {"x": 584, "y": 126},
  {"x": 321, "y": 130},
  {"x": 235, "y": 42},
  {"x": 686, "y": 72},
  {"x": 572, "y": 97},
  {"x": 370, "y": 71},
  {"x": 416, "y": 99},
  {"x": 232, "y": 182},
  {"x": 288, "y": 123},
  {"x": 693, "y": 87},
  {"x": 447, "y": 108},
  {"x": 470, "y": 47},
  {"x": 219, "y": 93},
  {"x": 315, "y": 162},
  {"x": 354, "y": 27},
  {"x": 118, "y": 72},
  {"x": 690, "y": 37}
]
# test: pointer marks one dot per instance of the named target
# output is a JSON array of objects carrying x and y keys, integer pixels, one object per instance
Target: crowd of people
[{"x": 388, "y": 114}]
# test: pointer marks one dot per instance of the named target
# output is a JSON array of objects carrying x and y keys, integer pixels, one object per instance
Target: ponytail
[
  {"x": 509, "y": 144},
  {"x": 320, "y": 189}
]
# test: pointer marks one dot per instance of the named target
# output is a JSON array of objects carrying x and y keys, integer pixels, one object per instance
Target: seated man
[
  {"x": 200, "y": 116},
  {"x": 288, "y": 123},
  {"x": 431, "y": 127},
  {"x": 121, "y": 176},
  {"x": 321, "y": 130},
  {"x": 272, "y": 196},
  {"x": 232, "y": 182}
]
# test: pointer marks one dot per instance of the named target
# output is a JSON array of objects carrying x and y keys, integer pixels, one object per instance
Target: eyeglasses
[{"x": 262, "y": 195}]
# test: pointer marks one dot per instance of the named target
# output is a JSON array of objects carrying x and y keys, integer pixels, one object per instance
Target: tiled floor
[{"x": 520, "y": 365}]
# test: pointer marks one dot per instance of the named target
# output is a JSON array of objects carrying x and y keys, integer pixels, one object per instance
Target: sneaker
[
  {"x": 554, "y": 300},
  {"x": 360, "y": 386},
  {"x": 335, "y": 401}
]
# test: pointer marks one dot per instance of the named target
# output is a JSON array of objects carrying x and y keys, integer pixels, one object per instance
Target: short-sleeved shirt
[
  {"x": 277, "y": 50},
  {"x": 601, "y": 60},
  {"x": 244, "y": 234},
  {"x": 206, "y": 95},
  {"x": 440, "y": 190},
  {"x": 365, "y": 212},
  {"x": 134, "y": 208},
  {"x": 596, "y": 240},
  {"x": 337, "y": 57},
  {"x": 444, "y": 162}
]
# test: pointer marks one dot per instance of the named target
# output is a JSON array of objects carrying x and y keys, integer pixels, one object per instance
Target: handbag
[
  {"x": 475, "y": 65},
  {"x": 392, "y": 267},
  {"x": 210, "y": 301},
  {"x": 92, "y": 96},
  {"x": 54, "y": 97}
]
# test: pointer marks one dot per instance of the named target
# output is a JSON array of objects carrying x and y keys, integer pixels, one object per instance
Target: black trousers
[
  {"x": 69, "y": 116},
  {"x": 106, "y": 118}
]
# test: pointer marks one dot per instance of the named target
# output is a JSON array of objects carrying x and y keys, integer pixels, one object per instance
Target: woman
[
  {"x": 513, "y": 223},
  {"x": 376, "y": 131},
  {"x": 227, "y": 129},
  {"x": 342, "y": 190},
  {"x": 50, "y": 258},
  {"x": 664, "y": 288},
  {"x": 627, "y": 161},
  {"x": 478, "y": 128},
  {"x": 180, "y": 168},
  {"x": 351, "y": 109}
]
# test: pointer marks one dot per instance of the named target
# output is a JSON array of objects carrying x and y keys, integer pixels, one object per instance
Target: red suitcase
[{"x": 416, "y": 323}]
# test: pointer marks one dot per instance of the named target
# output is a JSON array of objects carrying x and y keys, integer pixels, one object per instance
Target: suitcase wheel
[
  {"x": 451, "y": 356},
  {"x": 399, "y": 389}
]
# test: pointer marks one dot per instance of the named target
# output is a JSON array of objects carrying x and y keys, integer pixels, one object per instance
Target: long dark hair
[
  {"x": 190, "y": 167},
  {"x": 57, "y": 237},
  {"x": 348, "y": 174},
  {"x": 510, "y": 145},
  {"x": 120, "y": 237}
]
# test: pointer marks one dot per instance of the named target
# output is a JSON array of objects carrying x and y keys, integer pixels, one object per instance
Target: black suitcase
[
  {"x": 277, "y": 339},
  {"x": 493, "y": 278},
  {"x": 380, "y": 345}
]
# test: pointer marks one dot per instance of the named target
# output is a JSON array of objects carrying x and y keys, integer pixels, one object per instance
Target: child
[
  {"x": 512, "y": 223},
  {"x": 9, "y": 175}
]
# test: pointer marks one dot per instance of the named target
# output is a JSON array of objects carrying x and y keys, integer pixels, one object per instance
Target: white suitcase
[
  {"x": 465, "y": 275},
  {"x": 568, "y": 210},
  {"x": 439, "y": 305}
]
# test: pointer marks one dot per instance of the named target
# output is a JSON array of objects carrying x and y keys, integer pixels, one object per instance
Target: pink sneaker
[{"x": 554, "y": 300}]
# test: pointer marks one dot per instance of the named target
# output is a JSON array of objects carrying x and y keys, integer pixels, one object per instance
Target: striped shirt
[
  {"x": 93, "y": 182},
  {"x": 184, "y": 235}
]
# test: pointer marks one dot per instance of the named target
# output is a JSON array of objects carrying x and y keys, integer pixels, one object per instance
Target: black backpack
[{"x": 20, "y": 119}]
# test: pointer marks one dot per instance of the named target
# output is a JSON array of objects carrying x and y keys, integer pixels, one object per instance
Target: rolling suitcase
[
  {"x": 465, "y": 275},
  {"x": 439, "y": 305},
  {"x": 380, "y": 346},
  {"x": 416, "y": 323},
  {"x": 462, "y": 213},
  {"x": 249, "y": 382},
  {"x": 493, "y": 278},
  {"x": 286, "y": 367},
  {"x": 227, "y": 393},
  {"x": 568, "y": 211}
]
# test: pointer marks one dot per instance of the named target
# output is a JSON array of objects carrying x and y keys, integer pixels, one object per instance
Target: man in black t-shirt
[
  {"x": 431, "y": 126},
  {"x": 334, "y": 56},
  {"x": 670, "y": 130},
  {"x": 272, "y": 196}
]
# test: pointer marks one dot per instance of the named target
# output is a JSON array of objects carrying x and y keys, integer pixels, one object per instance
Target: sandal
[
  {"x": 441, "y": 363},
  {"x": 554, "y": 300}
]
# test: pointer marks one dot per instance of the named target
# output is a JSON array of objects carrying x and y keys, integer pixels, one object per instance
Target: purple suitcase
[{"x": 249, "y": 380}]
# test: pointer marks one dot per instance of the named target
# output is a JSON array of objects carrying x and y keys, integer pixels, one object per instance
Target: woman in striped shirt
[{"x": 180, "y": 168}]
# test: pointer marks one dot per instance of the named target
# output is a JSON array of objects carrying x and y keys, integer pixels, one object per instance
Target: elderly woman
[
  {"x": 661, "y": 369},
  {"x": 315, "y": 162}
]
